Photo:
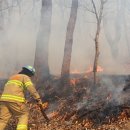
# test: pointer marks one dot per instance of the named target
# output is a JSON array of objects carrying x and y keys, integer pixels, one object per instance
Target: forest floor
[
  {"x": 60, "y": 122},
  {"x": 81, "y": 107}
]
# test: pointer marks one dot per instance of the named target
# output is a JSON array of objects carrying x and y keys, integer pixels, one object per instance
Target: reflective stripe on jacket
[
  {"x": 12, "y": 97},
  {"x": 15, "y": 88},
  {"x": 21, "y": 127}
]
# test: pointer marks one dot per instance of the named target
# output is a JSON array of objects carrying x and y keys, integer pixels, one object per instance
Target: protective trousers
[{"x": 19, "y": 110}]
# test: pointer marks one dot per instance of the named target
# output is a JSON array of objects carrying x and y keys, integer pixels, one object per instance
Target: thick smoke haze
[
  {"x": 21, "y": 23},
  {"x": 18, "y": 37}
]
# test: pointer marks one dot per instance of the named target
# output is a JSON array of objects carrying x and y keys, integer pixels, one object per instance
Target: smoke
[
  {"x": 108, "y": 92},
  {"x": 114, "y": 85},
  {"x": 18, "y": 37},
  {"x": 114, "y": 52},
  {"x": 21, "y": 24}
]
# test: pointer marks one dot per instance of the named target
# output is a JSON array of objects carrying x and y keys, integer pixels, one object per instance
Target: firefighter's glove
[
  {"x": 39, "y": 101},
  {"x": 45, "y": 105}
]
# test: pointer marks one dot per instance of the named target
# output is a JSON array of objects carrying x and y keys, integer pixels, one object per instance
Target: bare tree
[
  {"x": 99, "y": 16},
  {"x": 7, "y": 5},
  {"x": 125, "y": 8},
  {"x": 117, "y": 24},
  {"x": 69, "y": 41},
  {"x": 42, "y": 43}
]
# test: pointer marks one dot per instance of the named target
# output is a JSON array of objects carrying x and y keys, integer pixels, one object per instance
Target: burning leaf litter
[{"x": 86, "y": 108}]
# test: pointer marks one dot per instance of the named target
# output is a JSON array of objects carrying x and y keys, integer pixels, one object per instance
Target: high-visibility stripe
[
  {"x": 16, "y": 82},
  {"x": 21, "y": 127},
  {"x": 12, "y": 97},
  {"x": 28, "y": 83}
]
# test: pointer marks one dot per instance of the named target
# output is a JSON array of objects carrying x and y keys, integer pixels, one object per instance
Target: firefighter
[{"x": 12, "y": 100}]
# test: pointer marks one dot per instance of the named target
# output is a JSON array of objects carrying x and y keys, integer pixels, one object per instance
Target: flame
[
  {"x": 73, "y": 81},
  {"x": 87, "y": 124},
  {"x": 75, "y": 72},
  {"x": 99, "y": 69},
  {"x": 53, "y": 114},
  {"x": 109, "y": 97},
  {"x": 90, "y": 70},
  {"x": 123, "y": 116},
  {"x": 45, "y": 105}
]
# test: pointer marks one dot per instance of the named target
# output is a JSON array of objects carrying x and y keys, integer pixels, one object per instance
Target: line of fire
[{"x": 80, "y": 50}]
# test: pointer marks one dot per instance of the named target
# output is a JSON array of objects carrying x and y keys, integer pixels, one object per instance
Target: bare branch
[
  {"x": 18, "y": 4},
  {"x": 90, "y": 10},
  {"x": 7, "y": 8},
  {"x": 95, "y": 10},
  {"x": 101, "y": 11},
  {"x": 86, "y": 8}
]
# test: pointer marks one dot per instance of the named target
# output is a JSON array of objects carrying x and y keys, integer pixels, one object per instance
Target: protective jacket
[
  {"x": 12, "y": 101},
  {"x": 15, "y": 88}
]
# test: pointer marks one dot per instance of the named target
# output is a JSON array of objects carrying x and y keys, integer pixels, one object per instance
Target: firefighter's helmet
[{"x": 30, "y": 68}]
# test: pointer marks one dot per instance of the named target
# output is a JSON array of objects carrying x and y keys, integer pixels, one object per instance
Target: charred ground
[{"x": 81, "y": 106}]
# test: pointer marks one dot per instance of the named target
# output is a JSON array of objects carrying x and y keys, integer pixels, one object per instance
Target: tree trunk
[
  {"x": 69, "y": 42},
  {"x": 99, "y": 19},
  {"x": 42, "y": 43},
  {"x": 96, "y": 54},
  {"x": 126, "y": 27},
  {"x": 117, "y": 25}
]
